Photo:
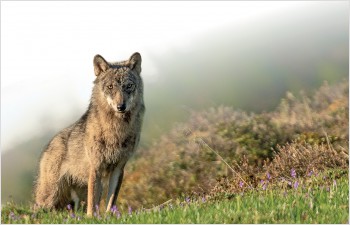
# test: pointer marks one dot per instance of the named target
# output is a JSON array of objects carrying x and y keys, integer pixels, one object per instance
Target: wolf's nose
[{"x": 121, "y": 107}]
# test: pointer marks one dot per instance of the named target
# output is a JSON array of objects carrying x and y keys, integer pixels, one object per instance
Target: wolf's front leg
[
  {"x": 115, "y": 182},
  {"x": 94, "y": 191}
]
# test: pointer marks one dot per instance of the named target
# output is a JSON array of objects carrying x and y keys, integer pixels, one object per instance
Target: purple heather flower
[
  {"x": 264, "y": 187},
  {"x": 129, "y": 210},
  {"x": 268, "y": 175},
  {"x": 97, "y": 210},
  {"x": 327, "y": 188},
  {"x": 334, "y": 183},
  {"x": 188, "y": 200},
  {"x": 293, "y": 173},
  {"x": 241, "y": 184},
  {"x": 115, "y": 211},
  {"x": 72, "y": 215},
  {"x": 69, "y": 207},
  {"x": 310, "y": 173},
  {"x": 282, "y": 179},
  {"x": 203, "y": 199},
  {"x": 296, "y": 184},
  {"x": 12, "y": 215}
]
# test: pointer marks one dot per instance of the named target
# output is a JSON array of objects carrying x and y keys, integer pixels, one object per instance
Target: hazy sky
[{"x": 47, "y": 49}]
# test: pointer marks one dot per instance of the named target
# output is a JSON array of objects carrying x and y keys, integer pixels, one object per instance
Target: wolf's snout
[{"x": 121, "y": 107}]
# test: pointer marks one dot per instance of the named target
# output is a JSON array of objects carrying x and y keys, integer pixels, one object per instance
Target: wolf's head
[{"x": 119, "y": 84}]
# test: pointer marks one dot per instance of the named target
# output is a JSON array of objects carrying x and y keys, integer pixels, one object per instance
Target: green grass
[{"x": 311, "y": 204}]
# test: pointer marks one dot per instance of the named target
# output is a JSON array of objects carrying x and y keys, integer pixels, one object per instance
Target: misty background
[{"x": 195, "y": 55}]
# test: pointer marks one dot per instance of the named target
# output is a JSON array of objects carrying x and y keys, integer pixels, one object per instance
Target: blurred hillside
[{"x": 248, "y": 66}]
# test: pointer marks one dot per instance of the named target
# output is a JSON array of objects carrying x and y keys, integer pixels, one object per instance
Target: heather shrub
[
  {"x": 293, "y": 162},
  {"x": 307, "y": 159},
  {"x": 309, "y": 119},
  {"x": 302, "y": 119}
]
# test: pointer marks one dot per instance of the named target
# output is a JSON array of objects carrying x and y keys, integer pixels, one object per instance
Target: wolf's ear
[
  {"x": 100, "y": 65},
  {"x": 135, "y": 62}
]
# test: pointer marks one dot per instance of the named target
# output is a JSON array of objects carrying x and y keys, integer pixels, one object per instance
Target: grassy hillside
[
  {"x": 307, "y": 202},
  {"x": 223, "y": 165}
]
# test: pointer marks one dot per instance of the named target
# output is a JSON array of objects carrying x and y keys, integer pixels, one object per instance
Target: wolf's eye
[
  {"x": 110, "y": 86},
  {"x": 129, "y": 86}
]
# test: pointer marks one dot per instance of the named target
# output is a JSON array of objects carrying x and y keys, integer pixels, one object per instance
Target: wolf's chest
[
  {"x": 113, "y": 152},
  {"x": 112, "y": 156}
]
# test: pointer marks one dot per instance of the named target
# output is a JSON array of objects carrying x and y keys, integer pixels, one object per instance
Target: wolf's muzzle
[{"x": 121, "y": 108}]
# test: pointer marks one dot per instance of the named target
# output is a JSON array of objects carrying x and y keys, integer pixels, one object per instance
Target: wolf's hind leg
[
  {"x": 75, "y": 199},
  {"x": 46, "y": 195},
  {"x": 47, "y": 191}
]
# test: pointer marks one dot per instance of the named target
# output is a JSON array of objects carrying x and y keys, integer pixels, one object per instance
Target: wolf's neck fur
[{"x": 113, "y": 125}]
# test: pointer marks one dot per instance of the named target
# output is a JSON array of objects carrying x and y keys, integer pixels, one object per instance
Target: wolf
[{"x": 88, "y": 157}]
